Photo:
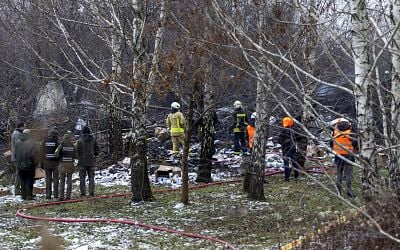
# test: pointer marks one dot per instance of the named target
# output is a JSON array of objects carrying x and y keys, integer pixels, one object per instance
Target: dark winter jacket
[
  {"x": 287, "y": 139},
  {"x": 240, "y": 121},
  {"x": 87, "y": 150},
  {"x": 67, "y": 154},
  {"x": 25, "y": 153},
  {"x": 48, "y": 148}
]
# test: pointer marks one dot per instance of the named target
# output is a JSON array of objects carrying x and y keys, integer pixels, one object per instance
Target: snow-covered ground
[{"x": 226, "y": 166}]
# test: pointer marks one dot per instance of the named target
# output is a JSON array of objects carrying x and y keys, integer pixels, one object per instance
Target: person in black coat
[
  {"x": 239, "y": 127},
  {"x": 287, "y": 139},
  {"x": 87, "y": 150},
  {"x": 51, "y": 162},
  {"x": 25, "y": 152}
]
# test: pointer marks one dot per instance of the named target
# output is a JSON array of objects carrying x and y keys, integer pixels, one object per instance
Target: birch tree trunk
[
  {"x": 185, "y": 154},
  {"x": 115, "y": 115},
  {"x": 140, "y": 184},
  {"x": 254, "y": 183},
  {"x": 207, "y": 136},
  {"x": 310, "y": 44},
  {"x": 362, "y": 95},
  {"x": 254, "y": 178},
  {"x": 394, "y": 152},
  {"x": 157, "y": 48}
]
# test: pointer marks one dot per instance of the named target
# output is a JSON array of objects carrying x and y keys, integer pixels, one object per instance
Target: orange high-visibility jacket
[
  {"x": 251, "y": 131},
  {"x": 342, "y": 143}
]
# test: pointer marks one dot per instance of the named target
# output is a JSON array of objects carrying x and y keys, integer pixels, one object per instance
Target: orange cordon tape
[{"x": 20, "y": 212}]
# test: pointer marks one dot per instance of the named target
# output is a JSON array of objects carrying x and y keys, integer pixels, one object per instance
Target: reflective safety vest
[
  {"x": 67, "y": 153},
  {"x": 241, "y": 123},
  {"x": 251, "y": 131},
  {"x": 50, "y": 149},
  {"x": 342, "y": 142}
]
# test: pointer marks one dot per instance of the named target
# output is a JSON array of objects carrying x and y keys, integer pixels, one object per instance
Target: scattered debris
[{"x": 167, "y": 171}]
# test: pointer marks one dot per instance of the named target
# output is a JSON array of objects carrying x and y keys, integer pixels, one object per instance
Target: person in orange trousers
[{"x": 251, "y": 131}]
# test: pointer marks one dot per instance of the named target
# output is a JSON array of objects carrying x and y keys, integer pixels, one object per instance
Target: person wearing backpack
[
  {"x": 49, "y": 147},
  {"x": 66, "y": 152},
  {"x": 87, "y": 150},
  {"x": 26, "y": 162},
  {"x": 239, "y": 127}
]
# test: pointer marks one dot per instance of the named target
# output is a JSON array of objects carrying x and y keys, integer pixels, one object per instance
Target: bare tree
[
  {"x": 121, "y": 67},
  {"x": 362, "y": 93},
  {"x": 394, "y": 151}
]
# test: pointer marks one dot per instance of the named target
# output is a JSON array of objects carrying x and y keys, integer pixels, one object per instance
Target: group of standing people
[
  {"x": 57, "y": 157},
  {"x": 243, "y": 129},
  {"x": 243, "y": 138},
  {"x": 344, "y": 143}
]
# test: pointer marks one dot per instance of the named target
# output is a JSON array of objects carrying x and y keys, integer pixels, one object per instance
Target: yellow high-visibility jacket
[{"x": 176, "y": 123}]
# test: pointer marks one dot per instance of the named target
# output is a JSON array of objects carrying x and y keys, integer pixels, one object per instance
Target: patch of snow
[{"x": 179, "y": 206}]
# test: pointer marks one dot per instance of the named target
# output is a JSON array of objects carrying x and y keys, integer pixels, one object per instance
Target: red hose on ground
[{"x": 20, "y": 211}]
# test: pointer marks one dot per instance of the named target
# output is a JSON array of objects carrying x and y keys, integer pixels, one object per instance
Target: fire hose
[{"x": 21, "y": 211}]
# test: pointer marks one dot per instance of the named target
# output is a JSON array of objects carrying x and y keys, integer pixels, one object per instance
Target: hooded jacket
[
  {"x": 25, "y": 152},
  {"x": 87, "y": 149}
]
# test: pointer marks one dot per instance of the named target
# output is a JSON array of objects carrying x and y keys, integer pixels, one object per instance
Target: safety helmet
[
  {"x": 175, "y": 105},
  {"x": 237, "y": 104},
  {"x": 287, "y": 122},
  {"x": 253, "y": 115}
]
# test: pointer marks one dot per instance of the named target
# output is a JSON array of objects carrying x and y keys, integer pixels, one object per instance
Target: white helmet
[
  {"x": 237, "y": 104},
  {"x": 253, "y": 115},
  {"x": 175, "y": 105}
]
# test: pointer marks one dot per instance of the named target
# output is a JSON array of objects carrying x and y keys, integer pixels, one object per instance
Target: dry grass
[{"x": 290, "y": 211}]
